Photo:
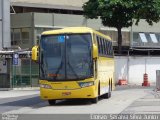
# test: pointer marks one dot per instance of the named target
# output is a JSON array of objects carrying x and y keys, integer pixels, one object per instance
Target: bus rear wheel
[
  {"x": 107, "y": 95},
  {"x": 52, "y": 102}
]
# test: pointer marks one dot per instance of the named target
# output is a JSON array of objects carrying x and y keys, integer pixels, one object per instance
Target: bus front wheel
[{"x": 52, "y": 102}]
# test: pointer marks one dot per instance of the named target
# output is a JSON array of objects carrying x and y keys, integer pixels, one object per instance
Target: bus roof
[{"x": 75, "y": 30}]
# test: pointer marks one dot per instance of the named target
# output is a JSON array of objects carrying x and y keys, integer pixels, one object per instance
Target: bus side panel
[{"x": 105, "y": 73}]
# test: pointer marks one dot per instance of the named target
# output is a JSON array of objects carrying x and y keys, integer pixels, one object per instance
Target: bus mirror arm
[{"x": 95, "y": 51}]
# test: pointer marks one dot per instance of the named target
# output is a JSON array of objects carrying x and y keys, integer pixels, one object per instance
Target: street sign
[{"x": 15, "y": 59}]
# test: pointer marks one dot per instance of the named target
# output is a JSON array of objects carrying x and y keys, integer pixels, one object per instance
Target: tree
[{"x": 120, "y": 13}]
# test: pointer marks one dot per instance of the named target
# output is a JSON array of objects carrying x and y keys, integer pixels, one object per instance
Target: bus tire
[
  {"x": 52, "y": 102},
  {"x": 94, "y": 100},
  {"x": 107, "y": 95}
]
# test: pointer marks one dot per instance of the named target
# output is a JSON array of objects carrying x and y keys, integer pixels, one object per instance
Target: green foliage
[
  {"x": 149, "y": 10},
  {"x": 121, "y": 13},
  {"x": 91, "y": 9}
]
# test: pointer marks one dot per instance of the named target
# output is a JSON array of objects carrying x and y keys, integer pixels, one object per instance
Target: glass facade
[
  {"x": 114, "y": 37},
  {"x": 21, "y": 37},
  {"x": 147, "y": 40}
]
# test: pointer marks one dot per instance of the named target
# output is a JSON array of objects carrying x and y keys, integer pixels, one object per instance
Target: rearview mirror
[
  {"x": 35, "y": 53},
  {"x": 95, "y": 51}
]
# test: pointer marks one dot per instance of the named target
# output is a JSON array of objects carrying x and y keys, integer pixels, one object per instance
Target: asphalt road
[{"x": 124, "y": 100}]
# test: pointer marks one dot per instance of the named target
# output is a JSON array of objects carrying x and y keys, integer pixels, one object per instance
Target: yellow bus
[{"x": 75, "y": 63}]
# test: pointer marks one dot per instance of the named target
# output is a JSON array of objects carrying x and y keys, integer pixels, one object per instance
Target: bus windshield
[{"x": 65, "y": 57}]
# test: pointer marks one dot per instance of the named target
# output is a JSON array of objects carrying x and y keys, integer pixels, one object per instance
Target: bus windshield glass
[{"x": 65, "y": 57}]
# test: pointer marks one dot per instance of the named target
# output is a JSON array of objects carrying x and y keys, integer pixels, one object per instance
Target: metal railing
[{"x": 25, "y": 74}]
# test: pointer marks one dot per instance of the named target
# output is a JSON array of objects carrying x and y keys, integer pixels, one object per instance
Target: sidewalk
[
  {"x": 18, "y": 92},
  {"x": 149, "y": 104},
  {"x": 17, "y": 95}
]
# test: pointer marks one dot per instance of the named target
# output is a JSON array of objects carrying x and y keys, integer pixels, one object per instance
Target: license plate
[{"x": 66, "y": 93}]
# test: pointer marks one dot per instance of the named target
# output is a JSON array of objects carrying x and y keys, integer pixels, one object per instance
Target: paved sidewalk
[
  {"x": 149, "y": 104},
  {"x": 18, "y": 93}
]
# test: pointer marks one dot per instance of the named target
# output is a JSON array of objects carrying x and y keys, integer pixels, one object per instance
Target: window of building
[
  {"x": 143, "y": 37},
  {"x": 25, "y": 35},
  {"x": 16, "y": 37},
  {"x": 146, "y": 39},
  {"x": 12, "y": 39},
  {"x": 153, "y": 38},
  {"x": 125, "y": 38},
  {"x": 20, "y": 36}
]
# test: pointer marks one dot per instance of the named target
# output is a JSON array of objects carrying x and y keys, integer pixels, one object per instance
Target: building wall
[
  {"x": 133, "y": 68},
  {"x": 33, "y": 24},
  {"x": 60, "y": 4},
  {"x": 43, "y": 19},
  {"x": 143, "y": 26},
  {"x": 21, "y": 20},
  {"x": 69, "y": 20},
  {"x": 94, "y": 23}
]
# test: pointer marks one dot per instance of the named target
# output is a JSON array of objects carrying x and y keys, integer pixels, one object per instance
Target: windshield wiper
[
  {"x": 73, "y": 70},
  {"x": 60, "y": 66}
]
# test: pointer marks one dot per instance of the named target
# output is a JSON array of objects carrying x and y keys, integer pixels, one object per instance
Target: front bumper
[{"x": 87, "y": 92}]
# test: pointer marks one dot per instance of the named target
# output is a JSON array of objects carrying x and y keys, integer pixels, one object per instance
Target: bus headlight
[
  {"x": 45, "y": 86},
  {"x": 86, "y": 84}
]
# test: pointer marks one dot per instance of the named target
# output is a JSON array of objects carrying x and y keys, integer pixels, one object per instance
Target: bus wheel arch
[
  {"x": 52, "y": 102},
  {"x": 99, "y": 89}
]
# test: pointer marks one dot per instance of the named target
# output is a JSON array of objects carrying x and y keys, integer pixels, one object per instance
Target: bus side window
[
  {"x": 107, "y": 48},
  {"x": 104, "y": 49},
  {"x": 98, "y": 42},
  {"x": 101, "y": 46},
  {"x": 110, "y": 48},
  {"x": 95, "y": 68}
]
